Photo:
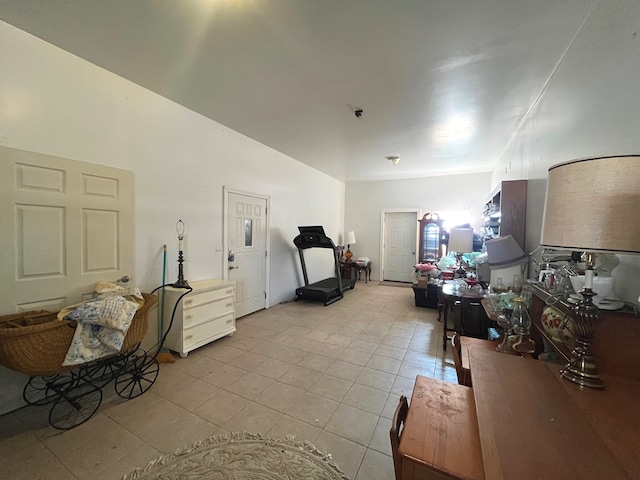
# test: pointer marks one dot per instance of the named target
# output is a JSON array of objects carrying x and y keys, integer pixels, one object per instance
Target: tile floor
[{"x": 331, "y": 375}]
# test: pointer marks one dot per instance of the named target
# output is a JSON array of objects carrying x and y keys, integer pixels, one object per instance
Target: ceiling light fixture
[{"x": 395, "y": 159}]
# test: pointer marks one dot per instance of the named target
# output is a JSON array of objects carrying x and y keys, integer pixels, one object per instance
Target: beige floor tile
[
  {"x": 329, "y": 350},
  {"x": 390, "y": 406},
  {"x": 299, "y": 377},
  {"x": 250, "y": 385},
  {"x": 344, "y": 370},
  {"x": 248, "y": 361},
  {"x": 290, "y": 355},
  {"x": 292, "y": 426},
  {"x": 380, "y": 440},
  {"x": 357, "y": 357},
  {"x": 224, "y": 376},
  {"x": 389, "y": 351},
  {"x": 376, "y": 379},
  {"x": 222, "y": 353},
  {"x": 221, "y": 407},
  {"x": 197, "y": 367},
  {"x": 338, "y": 339},
  {"x": 364, "y": 345},
  {"x": 313, "y": 409},
  {"x": 316, "y": 362},
  {"x": 384, "y": 364},
  {"x": 347, "y": 454},
  {"x": 272, "y": 368},
  {"x": 136, "y": 458},
  {"x": 365, "y": 341},
  {"x": 353, "y": 424},
  {"x": 280, "y": 396},
  {"x": 376, "y": 466},
  {"x": 403, "y": 386},
  {"x": 24, "y": 457},
  {"x": 92, "y": 447},
  {"x": 411, "y": 369},
  {"x": 253, "y": 418},
  {"x": 366, "y": 398},
  {"x": 330, "y": 387},
  {"x": 191, "y": 396}
]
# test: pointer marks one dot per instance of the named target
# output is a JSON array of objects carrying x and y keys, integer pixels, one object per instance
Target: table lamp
[
  {"x": 460, "y": 241},
  {"x": 592, "y": 206},
  {"x": 350, "y": 240}
]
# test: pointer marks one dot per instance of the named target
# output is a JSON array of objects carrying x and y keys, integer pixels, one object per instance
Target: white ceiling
[{"x": 444, "y": 84}]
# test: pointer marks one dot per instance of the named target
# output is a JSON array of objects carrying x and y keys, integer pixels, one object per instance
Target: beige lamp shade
[
  {"x": 593, "y": 204},
  {"x": 460, "y": 240},
  {"x": 504, "y": 252},
  {"x": 351, "y": 238}
]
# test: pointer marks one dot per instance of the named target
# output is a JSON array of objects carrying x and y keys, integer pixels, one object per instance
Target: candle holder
[{"x": 181, "y": 282}]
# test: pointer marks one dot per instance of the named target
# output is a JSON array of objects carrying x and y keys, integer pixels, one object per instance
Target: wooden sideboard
[{"x": 616, "y": 346}]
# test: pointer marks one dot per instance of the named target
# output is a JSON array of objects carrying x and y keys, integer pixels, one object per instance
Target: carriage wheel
[
  {"x": 138, "y": 376},
  {"x": 45, "y": 389},
  {"x": 105, "y": 370},
  {"x": 75, "y": 406}
]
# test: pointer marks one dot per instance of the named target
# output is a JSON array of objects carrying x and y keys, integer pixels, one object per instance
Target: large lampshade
[
  {"x": 504, "y": 252},
  {"x": 460, "y": 240},
  {"x": 592, "y": 204}
]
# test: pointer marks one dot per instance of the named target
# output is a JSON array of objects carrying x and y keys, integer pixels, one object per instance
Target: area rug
[{"x": 243, "y": 456}]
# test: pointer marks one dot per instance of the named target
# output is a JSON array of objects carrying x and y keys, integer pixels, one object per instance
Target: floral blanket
[{"x": 102, "y": 321}]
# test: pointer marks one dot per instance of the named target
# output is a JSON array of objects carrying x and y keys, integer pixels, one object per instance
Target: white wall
[
  {"x": 590, "y": 107},
  {"x": 55, "y": 103},
  {"x": 366, "y": 200}
]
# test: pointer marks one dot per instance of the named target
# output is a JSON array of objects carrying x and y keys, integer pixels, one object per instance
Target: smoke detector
[{"x": 395, "y": 159}]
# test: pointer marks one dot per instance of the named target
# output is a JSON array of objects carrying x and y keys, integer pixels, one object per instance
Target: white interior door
[
  {"x": 64, "y": 226},
  {"x": 246, "y": 250},
  {"x": 399, "y": 243}
]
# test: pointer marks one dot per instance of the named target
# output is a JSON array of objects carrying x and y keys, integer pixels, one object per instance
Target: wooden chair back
[
  {"x": 464, "y": 376},
  {"x": 399, "y": 417}
]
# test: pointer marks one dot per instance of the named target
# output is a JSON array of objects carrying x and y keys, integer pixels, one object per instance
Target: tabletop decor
[{"x": 591, "y": 206}]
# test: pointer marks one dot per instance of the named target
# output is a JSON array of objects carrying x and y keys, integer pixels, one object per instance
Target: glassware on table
[
  {"x": 516, "y": 287},
  {"x": 503, "y": 321},
  {"x": 498, "y": 287},
  {"x": 521, "y": 322}
]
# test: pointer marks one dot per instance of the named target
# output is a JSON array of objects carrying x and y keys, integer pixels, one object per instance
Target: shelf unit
[{"x": 506, "y": 209}]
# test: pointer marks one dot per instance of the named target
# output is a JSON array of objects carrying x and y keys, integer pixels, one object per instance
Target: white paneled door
[
  {"x": 64, "y": 226},
  {"x": 246, "y": 245},
  {"x": 400, "y": 231}
]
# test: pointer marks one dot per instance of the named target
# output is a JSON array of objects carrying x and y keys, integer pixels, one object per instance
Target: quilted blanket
[{"x": 102, "y": 322}]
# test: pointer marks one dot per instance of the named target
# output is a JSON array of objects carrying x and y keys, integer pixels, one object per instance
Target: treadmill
[{"x": 330, "y": 289}]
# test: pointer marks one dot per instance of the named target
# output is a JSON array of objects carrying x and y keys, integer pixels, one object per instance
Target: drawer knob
[
  {"x": 229, "y": 321},
  {"x": 230, "y": 291},
  {"x": 188, "y": 337},
  {"x": 187, "y": 302},
  {"x": 229, "y": 304},
  {"x": 188, "y": 317}
]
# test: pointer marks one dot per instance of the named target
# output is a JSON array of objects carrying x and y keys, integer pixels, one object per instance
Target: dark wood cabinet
[
  {"x": 615, "y": 346},
  {"x": 506, "y": 210}
]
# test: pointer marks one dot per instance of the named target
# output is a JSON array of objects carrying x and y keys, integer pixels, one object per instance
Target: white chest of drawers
[{"x": 202, "y": 316}]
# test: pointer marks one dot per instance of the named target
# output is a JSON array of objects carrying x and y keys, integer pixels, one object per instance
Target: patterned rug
[{"x": 243, "y": 456}]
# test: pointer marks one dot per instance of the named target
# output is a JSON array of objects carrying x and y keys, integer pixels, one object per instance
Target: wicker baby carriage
[{"x": 36, "y": 343}]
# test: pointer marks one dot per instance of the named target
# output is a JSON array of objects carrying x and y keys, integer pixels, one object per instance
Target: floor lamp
[{"x": 591, "y": 205}]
